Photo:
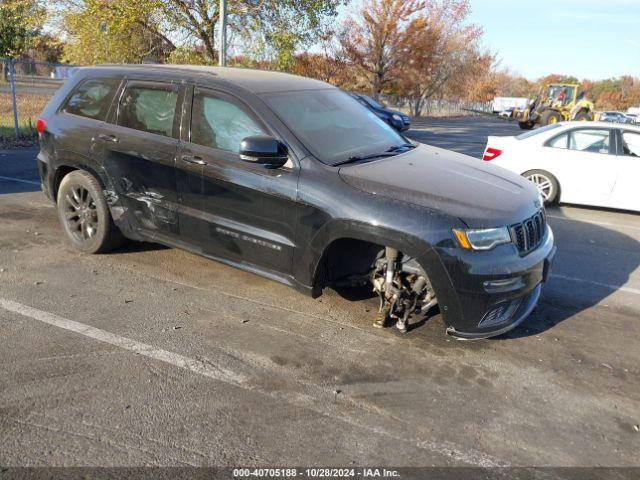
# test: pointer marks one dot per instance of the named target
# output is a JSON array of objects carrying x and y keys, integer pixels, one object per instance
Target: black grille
[{"x": 529, "y": 234}]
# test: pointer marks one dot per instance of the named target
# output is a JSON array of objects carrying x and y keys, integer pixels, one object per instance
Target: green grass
[{"x": 29, "y": 108}]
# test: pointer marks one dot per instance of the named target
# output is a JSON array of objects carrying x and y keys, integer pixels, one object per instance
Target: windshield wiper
[
  {"x": 357, "y": 158},
  {"x": 389, "y": 152},
  {"x": 395, "y": 148}
]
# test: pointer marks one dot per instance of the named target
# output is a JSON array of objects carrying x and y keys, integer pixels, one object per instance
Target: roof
[
  {"x": 601, "y": 124},
  {"x": 256, "y": 81}
]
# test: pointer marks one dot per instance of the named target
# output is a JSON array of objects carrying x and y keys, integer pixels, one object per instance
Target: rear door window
[
  {"x": 590, "y": 140},
  {"x": 150, "y": 108},
  {"x": 92, "y": 98}
]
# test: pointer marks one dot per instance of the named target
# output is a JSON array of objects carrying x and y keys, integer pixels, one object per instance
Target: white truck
[{"x": 501, "y": 104}]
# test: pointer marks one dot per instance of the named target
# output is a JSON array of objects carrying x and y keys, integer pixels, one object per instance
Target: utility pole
[
  {"x": 16, "y": 126},
  {"x": 222, "y": 49}
]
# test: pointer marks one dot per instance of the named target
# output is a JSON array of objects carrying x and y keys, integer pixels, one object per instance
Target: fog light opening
[{"x": 500, "y": 313}]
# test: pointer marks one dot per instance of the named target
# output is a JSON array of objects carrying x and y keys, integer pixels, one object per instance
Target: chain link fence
[
  {"x": 25, "y": 88},
  {"x": 438, "y": 107}
]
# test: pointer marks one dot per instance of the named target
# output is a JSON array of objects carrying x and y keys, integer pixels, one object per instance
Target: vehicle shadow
[
  {"x": 356, "y": 293},
  {"x": 131, "y": 246},
  {"x": 592, "y": 263}
]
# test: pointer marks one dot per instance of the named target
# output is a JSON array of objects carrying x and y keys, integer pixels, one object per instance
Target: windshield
[
  {"x": 372, "y": 102},
  {"x": 333, "y": 125},
  {"x": 531, "y": 133}
]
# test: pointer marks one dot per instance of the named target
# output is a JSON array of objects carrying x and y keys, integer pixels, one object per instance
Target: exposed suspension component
[{"x": 403, "y": 288}]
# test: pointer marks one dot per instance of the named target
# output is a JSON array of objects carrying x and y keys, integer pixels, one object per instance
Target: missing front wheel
[{"x": 403, "y": 288}]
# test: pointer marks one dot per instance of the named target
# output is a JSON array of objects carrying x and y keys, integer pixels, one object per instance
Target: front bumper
[
  {"x": 496, "y": 290},
  {"x": 524, "y": 309},
  {"x": 400, "y": 126}
]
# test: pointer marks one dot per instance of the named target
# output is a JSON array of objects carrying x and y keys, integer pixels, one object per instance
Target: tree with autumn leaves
[
  {"x": 442, "y": 54},
  {"x": 417, "y": 49},
  {"x": 376, "y": 40},
  {"x": 151, "y": 30}
]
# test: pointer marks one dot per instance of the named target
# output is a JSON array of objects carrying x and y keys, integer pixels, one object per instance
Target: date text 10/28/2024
[{"x": 315, "y": 473}]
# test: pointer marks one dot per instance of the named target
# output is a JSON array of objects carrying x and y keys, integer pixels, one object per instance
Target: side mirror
[{"x": 265, "y": 150}]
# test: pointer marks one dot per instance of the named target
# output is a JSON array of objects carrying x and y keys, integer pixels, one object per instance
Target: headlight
[
  {"x": 484, "y": 239},
  {"x": 396, "y": 117}
]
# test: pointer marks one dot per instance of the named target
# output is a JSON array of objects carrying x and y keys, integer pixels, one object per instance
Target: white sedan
[{"x": 592, "y": 163}]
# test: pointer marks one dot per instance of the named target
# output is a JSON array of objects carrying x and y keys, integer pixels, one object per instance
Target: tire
[
  {"x": 550, "y": 189},
  {"x": 526, "y": 125},
  {"x": 549, "y": 117},
  {"x": 84, "y": 214},
  {"x": 583, "y": 117}
]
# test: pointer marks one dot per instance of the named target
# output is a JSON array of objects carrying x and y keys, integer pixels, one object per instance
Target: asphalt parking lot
[{"x": 154, "y": 356}]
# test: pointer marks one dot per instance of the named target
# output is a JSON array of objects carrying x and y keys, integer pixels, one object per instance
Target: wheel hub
[
  {"x": 80, "y": 213},
  {"x": 543, "y": 183}
]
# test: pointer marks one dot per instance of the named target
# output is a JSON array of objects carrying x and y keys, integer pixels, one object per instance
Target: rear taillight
[
  {"x": 41, "y": 125},
  {"x": 491, "y": 154}
]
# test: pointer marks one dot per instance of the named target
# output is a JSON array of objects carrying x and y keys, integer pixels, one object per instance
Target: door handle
[
  {"x": 193, "y": 159},
  {"x": 108, "y": 138}
]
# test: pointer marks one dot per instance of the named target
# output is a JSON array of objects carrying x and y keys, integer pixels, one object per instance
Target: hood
[{"x": 479, "y": 194}]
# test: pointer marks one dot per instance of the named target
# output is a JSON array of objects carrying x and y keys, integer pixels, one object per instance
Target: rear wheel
[
  {"x": 526, "y": 125},
  {"x": 547, "y": 185},
  {"x": 550, "y": 117},
  {"x": 84, "y": 214},
  {"x": 583, "y": 117}
]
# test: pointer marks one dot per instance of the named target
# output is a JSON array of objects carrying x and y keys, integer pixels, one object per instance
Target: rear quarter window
[
  {"x": 92, "y": 98},
  {"x": 631, "y": 143}
]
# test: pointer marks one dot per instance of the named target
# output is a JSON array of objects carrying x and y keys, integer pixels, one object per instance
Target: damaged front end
[{"x": 402, "y": 287}]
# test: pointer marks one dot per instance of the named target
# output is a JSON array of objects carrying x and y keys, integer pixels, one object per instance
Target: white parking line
[
  {"x": 20, "y": 180},
  {"x": 604, "y": 224},
  {"x": 139, "y": 348},
  {"x": 308, "y": 401},
  {"x": 609, "y": 286}
]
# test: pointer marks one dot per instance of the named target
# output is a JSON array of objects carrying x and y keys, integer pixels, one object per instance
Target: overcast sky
[{"x": 592, "y": 39}]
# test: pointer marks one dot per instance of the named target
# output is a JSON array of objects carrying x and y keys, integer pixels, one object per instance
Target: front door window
[{"x": 220, "y": 122}]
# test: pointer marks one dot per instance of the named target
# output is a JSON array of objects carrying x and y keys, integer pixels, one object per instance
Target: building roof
[{"x": 256, "y": 81}]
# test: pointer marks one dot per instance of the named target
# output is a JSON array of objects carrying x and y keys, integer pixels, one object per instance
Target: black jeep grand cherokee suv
[{"x": 292, "y": 179}]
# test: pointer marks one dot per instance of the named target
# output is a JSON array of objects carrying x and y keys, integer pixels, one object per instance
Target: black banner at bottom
[{"x": 405, "y": 473}]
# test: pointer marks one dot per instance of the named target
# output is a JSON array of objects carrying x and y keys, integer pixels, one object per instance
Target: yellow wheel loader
[{"x": 560, "y": 102}]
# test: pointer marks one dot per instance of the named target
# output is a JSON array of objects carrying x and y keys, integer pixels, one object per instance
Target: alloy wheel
[
  {"x": 80, "y": 214},
  {"x": 543, "y": 183}
]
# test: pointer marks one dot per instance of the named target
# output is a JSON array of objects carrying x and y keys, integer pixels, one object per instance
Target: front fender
[{"x": 308, "y": 263}]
